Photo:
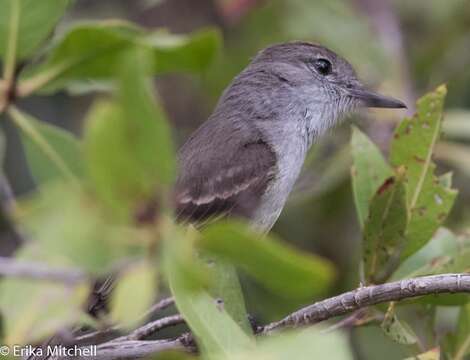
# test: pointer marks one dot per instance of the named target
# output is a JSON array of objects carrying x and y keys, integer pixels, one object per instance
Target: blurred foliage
[{"x": 101, "y": 200}]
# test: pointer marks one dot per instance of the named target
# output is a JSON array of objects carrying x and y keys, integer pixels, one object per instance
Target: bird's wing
[{"x": 213, "y": 186}]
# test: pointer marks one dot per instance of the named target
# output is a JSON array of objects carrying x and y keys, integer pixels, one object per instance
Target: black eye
[{"x": 323, "y": 66}]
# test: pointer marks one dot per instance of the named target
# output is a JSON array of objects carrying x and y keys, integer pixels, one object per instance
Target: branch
[
  {"x": 16, "y": 268},
  {"x": 152, "y": 327},
  {"x": 132, "y": 349},
  {"x": 372, "y": 295}
]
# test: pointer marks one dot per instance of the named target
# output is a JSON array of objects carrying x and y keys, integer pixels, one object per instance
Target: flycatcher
[{"x": 244, "y": 160}]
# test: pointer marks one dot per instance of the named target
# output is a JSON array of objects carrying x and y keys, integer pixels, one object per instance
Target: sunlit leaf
[
  {"x": 32, "y": 310},
  {"x": 68, "y": 227},
  {"x": 272, "y": 263},
  {"x": 369, "y": 172},
  {"x": 384, "y": 230},
  {"x": 30, "y": 22},
  {"x": 134, "y": 293},
  {"x": 427, "y": 200},
  {"x": 434, "y": 354}
]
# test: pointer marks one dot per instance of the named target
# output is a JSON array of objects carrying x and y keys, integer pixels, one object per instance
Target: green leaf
[
  {"x": 428, "y": 201},
  {"x": 444, "y": 253},
  {"x": 225, "y": 285},
  {"x": 148, "y": 131},
  {"x": 216, "y": 332},
  {"x": 429, "y": 259},
  {"x": 28, "y": 23},
  {"x": 32, "y": 310},
  {"x": 277, "y": 266},
  {"x": 52, "y": 153},
  {"x": 91, "y": 51},
  {"x": 462, "y": 344},
  {"x": 133, "y": 295},
  {"x": 128, "y": 146},
  {"x": 67, "y": 227},
  {"x": 397, "y": 330},
  {"x": 299, "y": 345},
  {"x": 369, "y": 172},
  {"x": 384, "y": 230}
]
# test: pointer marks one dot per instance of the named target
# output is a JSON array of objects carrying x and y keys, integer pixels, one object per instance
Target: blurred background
[{"x": 402, "y": 48}]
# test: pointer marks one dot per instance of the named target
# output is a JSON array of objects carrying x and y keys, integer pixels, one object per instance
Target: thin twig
[
  {"x": 152, "y": 327},
  {"x": 17, "y": 268},
  {"x": 159, "y": 306},
  {"x": 372, "y": 295}
]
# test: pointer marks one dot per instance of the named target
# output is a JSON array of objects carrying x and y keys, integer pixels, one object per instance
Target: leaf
[
  {"x": 216, "y": 332},
  {"x": 128, "y": 146},
  {"x": 67, "y": 227},
  {"x": 384, "y": 230},
  {"x": 32, "y": 310},
  {"x": 434, "y": 354},
  {"x": 397, "y": 330},
  {"x": 300, "y": 345},
  {"x": 462, "y": 346},
  {"x": 149, "y": 132},
  {"x": 369, "y": 172},
  {"x": 133, "y": 295},
  {"x": 414, "y": 141},
  {"x": 277, "y": 266},
  {"x": 430, "y": 258},
  {"x": 91, "y": 51},
  {"x": 29, "y": 23},
  {"x": 52, "y": 153},
  {"x": 225, "y": 285}
]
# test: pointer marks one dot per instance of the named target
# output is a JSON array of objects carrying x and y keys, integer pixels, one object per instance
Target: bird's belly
[{"x": 275, "y": 197}]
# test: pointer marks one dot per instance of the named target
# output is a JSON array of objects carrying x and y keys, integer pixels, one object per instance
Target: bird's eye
[{"x": 323, "y": 66}]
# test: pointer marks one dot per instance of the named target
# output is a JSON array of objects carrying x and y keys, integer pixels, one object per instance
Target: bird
[{"x": 245, "y": 159}]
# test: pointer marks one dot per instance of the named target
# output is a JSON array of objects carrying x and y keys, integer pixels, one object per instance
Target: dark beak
[{"x": 374, "y": 100}]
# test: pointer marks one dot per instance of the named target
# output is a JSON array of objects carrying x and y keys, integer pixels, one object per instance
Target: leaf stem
[
  {"x": 31, "y": 85},
  {"x": 21, "y": 120},
  {"x": 12, "y": 42}
]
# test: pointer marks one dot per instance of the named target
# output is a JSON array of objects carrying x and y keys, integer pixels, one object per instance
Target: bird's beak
[{"x": 371, "y": 99}]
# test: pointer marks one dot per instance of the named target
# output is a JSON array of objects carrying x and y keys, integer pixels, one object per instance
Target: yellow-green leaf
[{"x": 134, "y": 293}]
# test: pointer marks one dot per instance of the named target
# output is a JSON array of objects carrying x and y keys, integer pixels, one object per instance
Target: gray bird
[{"x": 244, "y": 160}]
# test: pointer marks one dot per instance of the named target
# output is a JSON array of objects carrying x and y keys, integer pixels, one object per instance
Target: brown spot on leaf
[
  {"x": 419, "y": 159},
  {"x": 441, "y": 217},
  {"x": 147, "y": 213},
  {"x": 386, "y": 185}
]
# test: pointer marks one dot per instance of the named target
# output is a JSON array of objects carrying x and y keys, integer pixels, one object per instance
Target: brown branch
[
  {"x": 23, "y": 269},
  {"x": 372, "y": 295}
]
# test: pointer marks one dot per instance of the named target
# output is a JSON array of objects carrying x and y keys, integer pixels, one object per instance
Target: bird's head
[{"x": 320, "y": 76}]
